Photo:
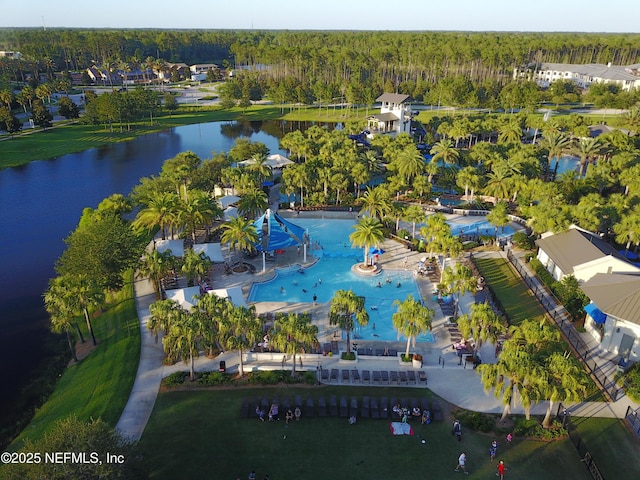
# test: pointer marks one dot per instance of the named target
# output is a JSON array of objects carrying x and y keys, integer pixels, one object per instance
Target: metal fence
[
  {"x": 559, "y": 315},
  {"x": 564, "y": 417},
  {"x": 632, "y": 417}
]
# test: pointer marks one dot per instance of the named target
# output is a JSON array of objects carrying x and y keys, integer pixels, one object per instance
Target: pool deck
[
  {"x": 396, "y": 257},
  {"x": 455, "y": 382}
]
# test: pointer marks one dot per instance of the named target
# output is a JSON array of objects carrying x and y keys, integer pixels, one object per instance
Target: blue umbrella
[{"x": 376, "y": 251}]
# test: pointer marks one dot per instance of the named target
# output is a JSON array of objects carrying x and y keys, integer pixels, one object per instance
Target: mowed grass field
[
  {"x": 201, "y": 434},
  {"x": 511, "y": 291}
]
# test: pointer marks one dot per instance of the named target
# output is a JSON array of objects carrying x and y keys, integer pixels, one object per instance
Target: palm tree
[
  {"x": 499, "y": 216},
  {"x": 564, "y": 381},
  {"x": 510, "y": 132},
  {"x": 216, "y": 310},
  {"x": 468, "y": 179},
  {"x": 259, "y": 167},
  {"x": 292, "y": 334},
  {"x": 161, "y": 210},
  {"x": 240, "y": 234},
  {"x": 628, "y": 229},
  {"x": 60, "y": 313},
  {"x": 164, "y": 313},
  {"x": 497, "y": 185},
  {"x": 253, "y": 203},
  {"x": 87, "y": 293},
  {"x": 445, "y": 150},
  {"x": 411, "y": 320},
  {"x": 242, "y": 330},
  {"x": 346, "y": 310},
  {"x": 557, "y": 143},
  {"x": 413, "y": 214},
  {"x": 6, "y": 96},
  {"x": 517, "y": 375},
  {"x": 368, "y": 233},
  {"x": 195, "y": 265},
  {"x": 156, "y": 265},
  {"x": 376, "y": 202},
  {"x": 411, "y": 163},
  {"x": 482, "y": 324},
  {"x": 296, "y": 175},
  {"x": 59, "y": 301},
  {"x": 184, "y": 339},
  {"x": 587, "y": 149},
  {"x": 457, "y": 281},
  {"x": 197, "y": 210}
]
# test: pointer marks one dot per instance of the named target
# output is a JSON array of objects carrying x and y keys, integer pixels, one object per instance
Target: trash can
[{"x": 223, "y": 366}]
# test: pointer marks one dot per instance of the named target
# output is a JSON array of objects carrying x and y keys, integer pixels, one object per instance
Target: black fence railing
[
  {"x": 556, "y": 311},
  {"x": 632, "y": 417},
  {"x": 563, "y": 416}
]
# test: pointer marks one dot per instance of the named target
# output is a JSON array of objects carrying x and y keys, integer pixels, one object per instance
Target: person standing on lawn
[
  {"x": 501, "y": 469},
  {"x": 462, "y": 459}
]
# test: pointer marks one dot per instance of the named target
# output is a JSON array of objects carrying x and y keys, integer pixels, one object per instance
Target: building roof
[
  {"x": 615, "y": 294},
  {"x": 392, "y": 98},
  {"x": 384, "y": 117},
  {"x": 613, "y": 72},
  {"x": 575, "y": 247}
]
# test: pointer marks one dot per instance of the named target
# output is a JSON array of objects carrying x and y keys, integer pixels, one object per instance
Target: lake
[{"x": 40, "y": 205}]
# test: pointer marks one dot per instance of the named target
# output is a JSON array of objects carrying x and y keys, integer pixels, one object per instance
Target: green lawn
[
  {"x": 613, "y": 447},
  {"x": 515, "y": 296},
  {"x": 99, "y": 385},
  {"x": 199, "y": 434}
]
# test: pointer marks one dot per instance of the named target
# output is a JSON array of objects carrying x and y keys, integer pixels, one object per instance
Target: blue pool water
[
  {"x": 333, "y": 272},
  {"x": 480, "y": 227}
]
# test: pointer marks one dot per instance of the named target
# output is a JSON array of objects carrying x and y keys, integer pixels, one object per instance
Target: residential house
[
  {"x": 581, "y": 254},
  {"x": 394, "y": 116}
]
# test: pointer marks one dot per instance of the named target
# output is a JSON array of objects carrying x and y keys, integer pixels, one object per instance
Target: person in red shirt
[{"x": 501, "y": 469}]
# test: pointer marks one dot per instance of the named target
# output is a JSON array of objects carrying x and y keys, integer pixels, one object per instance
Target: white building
[
  {"x": 394, "y": 116},
  {"x": 581, "y": 254},
  {"x": 613, "y": 317},
  {"x": 544, "y": 74}
]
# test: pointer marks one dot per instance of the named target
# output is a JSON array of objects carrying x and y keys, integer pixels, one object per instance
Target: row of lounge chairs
[
  {"x": 366, "y": 407},
  {"x": 375, "y": 377},
  {"x": 377, "y": 352}
]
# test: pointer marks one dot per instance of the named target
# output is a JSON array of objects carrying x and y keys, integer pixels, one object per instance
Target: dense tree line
[{"x": 329, "y": 57}]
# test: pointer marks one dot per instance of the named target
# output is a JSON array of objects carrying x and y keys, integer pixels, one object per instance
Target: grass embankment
[
  {"x": 99, "y": 385},
  {"x": 191, "y": 432},
  {"x": 68, "y": 138},
  {"x": 515, "y": 297}
]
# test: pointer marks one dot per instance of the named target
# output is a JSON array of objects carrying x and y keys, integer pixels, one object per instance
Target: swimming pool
[
  {"x": 333, "y": 272},
  {"x": 478, "y": 227},
  {"x": 565, "y": 164}
]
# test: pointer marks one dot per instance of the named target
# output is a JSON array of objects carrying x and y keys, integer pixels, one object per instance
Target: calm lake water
[{"x": 41, "y": 203}]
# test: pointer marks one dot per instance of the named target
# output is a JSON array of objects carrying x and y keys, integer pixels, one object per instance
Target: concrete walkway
[{"x": 457, "y": 384}]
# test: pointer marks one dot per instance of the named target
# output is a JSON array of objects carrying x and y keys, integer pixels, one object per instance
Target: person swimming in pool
[{"x": 398, "y": 285}]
